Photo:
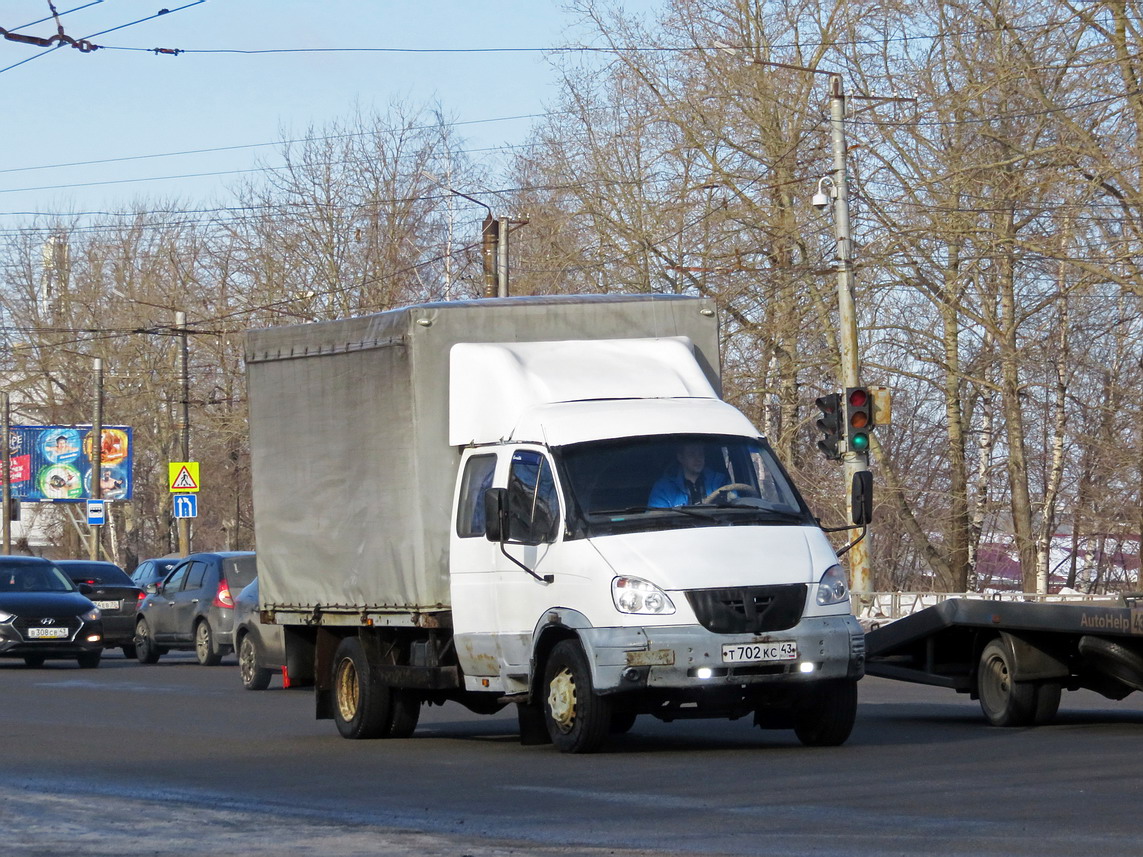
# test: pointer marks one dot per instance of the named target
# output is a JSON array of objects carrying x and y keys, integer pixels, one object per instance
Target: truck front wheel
[
  {"x": 1004, "y": 701},
  {"x": 362, "y": 706},
  {"x": 578, "y": 720},
  {"x": 825, "y": 717}
]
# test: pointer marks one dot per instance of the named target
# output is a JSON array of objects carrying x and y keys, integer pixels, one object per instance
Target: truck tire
[
  {"x": 145, "y": 649},
  {"x": 825, "y": 716},
  {"x": 1113, "y": 659},
  {"x": 1005, "y": 702},
  {"x": 578, "y": 720},
  {"x": 406, "y": 705},
  {"x": 362, "y": 706}
]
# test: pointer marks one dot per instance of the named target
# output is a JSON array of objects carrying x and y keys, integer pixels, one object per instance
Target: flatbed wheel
[{"x": 1004, "y": 701}]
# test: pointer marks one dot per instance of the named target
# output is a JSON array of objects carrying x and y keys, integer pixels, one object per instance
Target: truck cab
[{"x": 648, "y": 543}]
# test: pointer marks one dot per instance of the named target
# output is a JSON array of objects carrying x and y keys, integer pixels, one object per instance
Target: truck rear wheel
[
  {"x": 1004, "y": 701},
  {"x": 362, "y": 706},
  {"x": 406, "y": 705},
  {"x": 826, "y": 715},
  {"x": 578, "y": 720}
]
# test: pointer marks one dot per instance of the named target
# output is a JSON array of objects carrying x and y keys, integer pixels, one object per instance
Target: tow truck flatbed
[{"x": 1015, "y": 656}]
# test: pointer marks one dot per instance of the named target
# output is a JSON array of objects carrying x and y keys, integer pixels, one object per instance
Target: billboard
[{"x": 53, "y": 463}]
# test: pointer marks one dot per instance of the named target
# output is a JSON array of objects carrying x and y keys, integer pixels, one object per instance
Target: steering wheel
[{"x": 733, "y": 486}]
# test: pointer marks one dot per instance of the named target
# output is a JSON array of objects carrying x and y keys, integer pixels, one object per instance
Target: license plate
[
  {"x": 753, "y": 653},
  {"x": 48, "y": 633},
  {"x": 107, "y": 605}
]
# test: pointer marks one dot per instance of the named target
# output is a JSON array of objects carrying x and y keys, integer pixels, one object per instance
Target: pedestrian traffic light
[
  {"x": 858, "y": 419},
  {"x": 830, "y": 425}
]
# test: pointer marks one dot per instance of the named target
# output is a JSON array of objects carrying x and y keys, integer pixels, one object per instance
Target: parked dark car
[
  {"x": 193, "y": 608},
  {"x": 43, "y": 614},
  {"x": 153, "y": 570},
  {"x": 260, "y": 648},
  {"x": 116, "y": 596}
]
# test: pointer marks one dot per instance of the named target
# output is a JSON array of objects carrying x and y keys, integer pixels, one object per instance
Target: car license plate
[
  {"x": 753, "y": 653},
  {"x": 48, "y": 633},
  {"x": 107, "y": 605}
]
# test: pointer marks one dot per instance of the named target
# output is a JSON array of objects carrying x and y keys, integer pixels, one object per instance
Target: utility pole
[
  {"x": 97, "y": 456},
  {"x": 184, "y": 420},
  {"x": 847, "y": 316},
  {"x": 489, "y": 236},
  {"x": 502, "y": 258}
]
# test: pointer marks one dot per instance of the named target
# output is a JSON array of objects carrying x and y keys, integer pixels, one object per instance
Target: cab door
[
  {"x": 471, "y": 566},
  {"x": 498, "y": 594}
]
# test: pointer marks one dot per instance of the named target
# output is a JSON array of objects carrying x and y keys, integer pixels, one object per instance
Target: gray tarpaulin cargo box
[{"x": 353, "y": 474}]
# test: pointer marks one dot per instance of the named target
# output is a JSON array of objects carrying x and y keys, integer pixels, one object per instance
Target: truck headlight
[
  {"x": 634, "y": 595},
  {"x": 832, "y": 588}
]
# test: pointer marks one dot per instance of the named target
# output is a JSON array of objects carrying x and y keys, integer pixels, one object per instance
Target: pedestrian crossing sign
[{"x": 182, "y": 476}]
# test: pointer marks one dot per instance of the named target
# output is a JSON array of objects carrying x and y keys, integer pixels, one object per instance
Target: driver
[{"x": 687, "y": 481}]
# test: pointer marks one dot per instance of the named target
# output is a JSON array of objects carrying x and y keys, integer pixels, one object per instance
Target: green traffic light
[{"x": 859, "y": 442}]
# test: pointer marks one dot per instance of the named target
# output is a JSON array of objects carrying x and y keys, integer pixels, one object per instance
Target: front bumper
[
  {"x": 13, "y": 645},
  {"x": 690, "y": 657}
]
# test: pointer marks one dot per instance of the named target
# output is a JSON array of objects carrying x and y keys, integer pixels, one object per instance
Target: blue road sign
[
  {"x": 96, "y": 513},
  {"x": 186, "y": 505}
]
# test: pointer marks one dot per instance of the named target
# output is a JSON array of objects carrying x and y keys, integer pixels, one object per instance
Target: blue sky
[{"x": 66, "y": 106}]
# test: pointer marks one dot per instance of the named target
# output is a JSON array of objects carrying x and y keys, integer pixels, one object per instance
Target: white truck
[{"x": 542, "y": 502}]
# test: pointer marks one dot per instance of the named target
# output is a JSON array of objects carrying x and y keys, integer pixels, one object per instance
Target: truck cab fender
[{"x": 606, "y": 648}]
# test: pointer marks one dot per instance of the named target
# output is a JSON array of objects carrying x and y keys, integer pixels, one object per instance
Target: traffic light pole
[{"x": 862, "y": 578}]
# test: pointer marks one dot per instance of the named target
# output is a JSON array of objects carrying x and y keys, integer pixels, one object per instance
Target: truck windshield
[{"x": 671, "y": 481}]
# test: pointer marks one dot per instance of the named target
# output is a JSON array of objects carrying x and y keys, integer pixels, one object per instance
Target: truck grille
[{"x": 749, "y": 609}]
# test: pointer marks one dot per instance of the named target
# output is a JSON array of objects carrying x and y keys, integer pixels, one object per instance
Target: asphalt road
[{"x": 178, "y": 759}]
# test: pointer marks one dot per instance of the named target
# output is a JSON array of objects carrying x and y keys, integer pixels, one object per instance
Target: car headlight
[
  {"x": 6, "y": 617},
  {"x": 91, "y": 615},
  {"x": 634, "y": 595},
  {"x": 832, "y": 588}
]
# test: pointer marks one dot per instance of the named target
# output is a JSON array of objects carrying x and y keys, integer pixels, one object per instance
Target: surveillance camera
[{"x": 820, "y": 201}]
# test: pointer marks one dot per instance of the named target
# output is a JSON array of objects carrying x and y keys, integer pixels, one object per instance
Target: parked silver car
[
  {"x": 193, "y": 608},
  {"x": 260, "y": 648}
]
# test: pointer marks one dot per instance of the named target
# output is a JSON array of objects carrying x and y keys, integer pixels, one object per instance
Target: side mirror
[
  {"x": 84, "y": 588},
  {"x": 151, "y": 588},
  {"x": 861, "y": 498},
  {"x": 496, "y": 514}
]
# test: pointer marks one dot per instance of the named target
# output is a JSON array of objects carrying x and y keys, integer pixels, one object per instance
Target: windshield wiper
[{"x": 637, "y": 510}]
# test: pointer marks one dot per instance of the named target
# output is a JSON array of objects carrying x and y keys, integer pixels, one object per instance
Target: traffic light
[
  {"x": 830, "y": 425},
  {"x": 858, "y": 419}
]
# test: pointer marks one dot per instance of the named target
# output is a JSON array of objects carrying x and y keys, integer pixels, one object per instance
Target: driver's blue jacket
[{"x": 671, "y": 489}]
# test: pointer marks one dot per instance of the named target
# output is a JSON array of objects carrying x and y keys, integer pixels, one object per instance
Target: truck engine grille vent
[{"x": 749, "y": 609}]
